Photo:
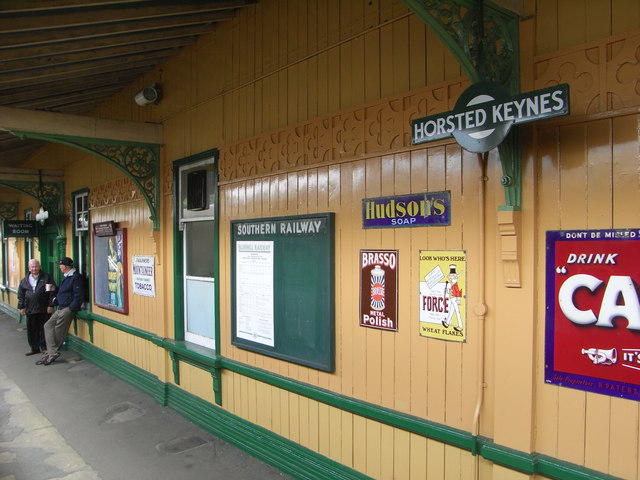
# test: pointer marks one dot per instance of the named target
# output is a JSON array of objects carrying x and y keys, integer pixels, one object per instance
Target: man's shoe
[
  {"x": 42, "y": 359},
  {"x": 50, "y": 359},
  {"x": 28, "y": 354}
]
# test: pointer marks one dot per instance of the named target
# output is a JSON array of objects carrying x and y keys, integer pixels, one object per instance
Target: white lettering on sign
[
  {"x": 256, "y": 229},
  {"x": 605, "y": 258},
  {"x": 540, "y": 104},
  {"x": 377, "y": 258},
  {"x": 300, "y": 226},
  {"x": 618, "y": 287}
]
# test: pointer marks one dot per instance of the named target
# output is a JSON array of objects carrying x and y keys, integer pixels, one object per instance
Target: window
[
  {"x": 81, "y": 234},
  {"x": 28, "y": 242},
  {"x": 197, "y": 230}
]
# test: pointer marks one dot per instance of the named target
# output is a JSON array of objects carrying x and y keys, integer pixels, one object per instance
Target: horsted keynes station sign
[{"x": 484, "y": 114}]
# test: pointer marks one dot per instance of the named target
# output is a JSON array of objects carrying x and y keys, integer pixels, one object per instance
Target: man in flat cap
[{"x": 69, "y": 298}]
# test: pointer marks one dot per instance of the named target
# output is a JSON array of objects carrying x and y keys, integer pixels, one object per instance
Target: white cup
[{"x": 48, "y": 287}]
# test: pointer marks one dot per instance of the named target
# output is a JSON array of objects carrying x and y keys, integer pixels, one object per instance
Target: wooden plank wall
[
  {"x": 588, "y": 178},
  {"x": 566, "y": 23},
  {"x": 294, "y": 60},
  {"x": 378, "y": 450},
  {"x": 403, "y": 371}
]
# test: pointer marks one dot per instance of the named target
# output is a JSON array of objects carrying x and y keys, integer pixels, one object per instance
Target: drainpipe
[{"x": 480, "y": 310}]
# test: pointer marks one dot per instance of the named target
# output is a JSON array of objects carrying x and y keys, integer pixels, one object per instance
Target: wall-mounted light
[
  {"x": 42, "y": 215},
  {"x": 149, "y": 95}
]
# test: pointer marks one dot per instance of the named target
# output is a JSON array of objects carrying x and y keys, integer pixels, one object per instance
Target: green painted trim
[
  {"x": 136, "y": 332},
  {"x": 530, "y": 463},
  {"x": 193, "y": 354},
  {"x": 554, "y": 468},
  {"x": 11, "y": 311},
  {"x": 289, "y": 457},
  {"x": 178, "y": 246},
  {"x": 121, "y": 369},
  {"x": 436, "y": 431},
  {"x": 74, "y": 248}
]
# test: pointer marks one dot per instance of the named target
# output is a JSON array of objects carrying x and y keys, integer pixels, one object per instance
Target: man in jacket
[
  {"x": 69, "y": 298},
  {"x": 34, "y": 296}
]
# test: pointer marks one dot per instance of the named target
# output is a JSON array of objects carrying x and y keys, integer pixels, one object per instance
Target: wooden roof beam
[{"x": 49, "y": 123}]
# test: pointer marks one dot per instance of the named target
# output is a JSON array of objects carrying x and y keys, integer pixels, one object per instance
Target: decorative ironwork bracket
[
  {"x": 139, "y": 161},
  {"x": 484, "y": 40},
  {"x": 49, "y": 194},
  {"x": 8, "y": 210}
]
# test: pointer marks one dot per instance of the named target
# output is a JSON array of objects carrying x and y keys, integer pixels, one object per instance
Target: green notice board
[{"x": 282, "y": 288}]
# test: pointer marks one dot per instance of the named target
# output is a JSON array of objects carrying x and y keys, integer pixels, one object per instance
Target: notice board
[{"x": 282, "y": 288}]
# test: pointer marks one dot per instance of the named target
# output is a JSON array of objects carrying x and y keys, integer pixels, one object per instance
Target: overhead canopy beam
[
  {"x": 132, "y": 147},
  {"x": 50, "y": 123},
  {"x": 31, "y": 174}
]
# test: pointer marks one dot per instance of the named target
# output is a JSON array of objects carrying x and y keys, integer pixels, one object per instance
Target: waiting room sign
[{"x": 20, "y": 228}]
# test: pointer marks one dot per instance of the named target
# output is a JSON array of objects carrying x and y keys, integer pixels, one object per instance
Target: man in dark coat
[
  {"x": 34, "y": 302},
  {"x": 68, "y": 299}
]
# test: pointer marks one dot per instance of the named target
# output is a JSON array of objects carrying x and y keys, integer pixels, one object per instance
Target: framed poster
[
  {"x": 592, "y": 339},
  {"x": 110, "y": 271},
  {"x": 379, "y": 289},
  {"x": 282, "y": 288},
  {"x": 443, "y": 301},
  {"x": 143, "y": 275}
]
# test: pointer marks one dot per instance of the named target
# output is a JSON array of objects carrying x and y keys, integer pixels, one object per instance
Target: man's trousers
[{"x": 57, "y": 327}]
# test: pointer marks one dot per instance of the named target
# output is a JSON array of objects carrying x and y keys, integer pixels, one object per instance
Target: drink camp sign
[{"x": 593, "y": 311}]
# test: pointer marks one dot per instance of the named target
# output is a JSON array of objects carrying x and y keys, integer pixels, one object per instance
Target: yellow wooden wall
[
  {"x": 566, "y": 23},
  {"x": 588, "y": 178},
  {"x": 400, "y": 370},
  {"x": 293, "y": 62}
]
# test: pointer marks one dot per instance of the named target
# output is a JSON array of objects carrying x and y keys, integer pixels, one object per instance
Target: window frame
[{"x": 206, "y": 157}]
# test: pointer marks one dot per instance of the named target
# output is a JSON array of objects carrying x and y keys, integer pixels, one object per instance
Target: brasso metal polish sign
[
  {"x": 484, "y": 114},
  {"x": 593, "y": 311}
]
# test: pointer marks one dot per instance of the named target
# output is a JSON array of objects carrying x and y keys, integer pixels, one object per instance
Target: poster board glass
[
  {"x": 110, "y": 271},
  {"x": 282, "y": 278}
]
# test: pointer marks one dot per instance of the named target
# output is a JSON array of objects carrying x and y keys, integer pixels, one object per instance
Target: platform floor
[{"x": 72, "y": 420}]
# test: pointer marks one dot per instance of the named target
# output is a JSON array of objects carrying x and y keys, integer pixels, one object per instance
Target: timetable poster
[{"x": 254, "y": 291}]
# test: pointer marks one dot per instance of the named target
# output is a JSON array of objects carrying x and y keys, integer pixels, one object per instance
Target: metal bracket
[
  {"x": 50, "y": 194},
  {"x": 139, "y": 161},
  {"x": 484, "y": 40},
  {"x": 8, "y": 210}
]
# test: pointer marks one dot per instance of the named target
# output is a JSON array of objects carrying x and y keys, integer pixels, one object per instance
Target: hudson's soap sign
[
  {"x": 416, "y": 210},
  {"x": 593, "y": 311}
]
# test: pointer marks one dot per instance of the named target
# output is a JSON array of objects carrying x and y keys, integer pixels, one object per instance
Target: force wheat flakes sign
[
  {"x": 379, "y": 289},
  {"x": 443, "y": 305},
  {"x": 593, "y": 312}
]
